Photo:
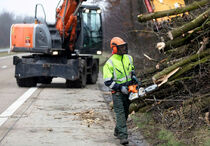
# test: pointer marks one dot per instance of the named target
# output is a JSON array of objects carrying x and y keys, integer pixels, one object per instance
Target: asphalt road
[{"x": 9, "y": 92}]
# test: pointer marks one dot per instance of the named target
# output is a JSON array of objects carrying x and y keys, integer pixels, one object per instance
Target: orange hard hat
[{"x": 119, "y": 46}]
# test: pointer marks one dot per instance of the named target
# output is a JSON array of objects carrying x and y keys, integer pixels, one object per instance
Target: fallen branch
[
  {"x": 199, "y": 103},
  {"x": 190, "y": 66},
  {"x": 165, "y": 46},
  {"x": 151, "y": 59},
  {"x": 181, "y": 63},
  {"x": 193, "y": 6},
  {"x": 164, "y": 100},
  {"x": 189, "y": 26}
]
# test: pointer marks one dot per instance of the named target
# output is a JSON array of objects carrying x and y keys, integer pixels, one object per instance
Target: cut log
[
  {"x": 136, "y": 106},
  {"x": 171, "y": 44},
  {"x": 189, "y": 26},
  {"x": 193, "y": 6},
  {"x": 180, "y": 64}
]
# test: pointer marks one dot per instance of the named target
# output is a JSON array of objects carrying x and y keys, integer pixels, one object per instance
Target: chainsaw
[{"x": 135, "y": 91}]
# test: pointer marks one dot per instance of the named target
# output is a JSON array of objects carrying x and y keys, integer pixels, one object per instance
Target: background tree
[
  {"x": 6, "y": 20},
  {"x": 5, "y": 24}
]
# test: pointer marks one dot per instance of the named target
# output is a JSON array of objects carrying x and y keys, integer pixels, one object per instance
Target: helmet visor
[{"x": 122, "y": 49}]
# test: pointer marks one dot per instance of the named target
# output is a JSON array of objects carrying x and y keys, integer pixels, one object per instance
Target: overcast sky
[{"x": 27, "y": 7}]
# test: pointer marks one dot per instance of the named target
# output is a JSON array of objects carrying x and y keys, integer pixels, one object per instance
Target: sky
[{"x": 27, "y": 8}]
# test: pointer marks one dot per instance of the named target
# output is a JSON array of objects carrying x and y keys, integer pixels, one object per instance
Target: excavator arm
[{"x": 66, "y": 18}]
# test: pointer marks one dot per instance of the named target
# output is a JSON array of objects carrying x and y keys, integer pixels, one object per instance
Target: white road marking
[{"x": 12, "y": 108}]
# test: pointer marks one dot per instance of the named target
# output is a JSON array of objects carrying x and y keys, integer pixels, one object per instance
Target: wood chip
[{"x": 165, "y": 78}]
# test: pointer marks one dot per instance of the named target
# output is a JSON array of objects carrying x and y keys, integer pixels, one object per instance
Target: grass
[
  {"x": 207, "y": 143},
  {"x": 202, "y": 135},
  {"x": 144, "y": 121},
  {"x": 169, "y": 138},
  {"x": 154, "y": 133},
  {"x": 157, "y": 134}
]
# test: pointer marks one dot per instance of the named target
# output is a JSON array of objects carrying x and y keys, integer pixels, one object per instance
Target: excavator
[
  {"x": 66, "y": 49},
  {"x": 161, "y": 5},
  {"x": 154, "y": 6}
]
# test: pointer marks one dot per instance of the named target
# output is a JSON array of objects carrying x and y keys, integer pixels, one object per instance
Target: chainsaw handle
[{"x": 133, "y": 88}]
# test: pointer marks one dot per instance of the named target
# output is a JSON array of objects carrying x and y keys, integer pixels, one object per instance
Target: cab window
[{"x": 92, "y": 28}]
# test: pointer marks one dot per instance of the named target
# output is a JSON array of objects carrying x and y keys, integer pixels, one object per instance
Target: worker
[{"x": 118, "y": 73}]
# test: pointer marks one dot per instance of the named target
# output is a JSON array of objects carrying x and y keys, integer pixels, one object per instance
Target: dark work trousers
[{"x": 121, "y": 108}]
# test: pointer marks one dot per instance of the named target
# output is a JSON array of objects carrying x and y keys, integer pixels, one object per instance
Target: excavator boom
[{"x": 66, "y": 18}]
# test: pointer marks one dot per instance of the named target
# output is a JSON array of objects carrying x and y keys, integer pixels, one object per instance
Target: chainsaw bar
[{"x": 142, "y": 92}]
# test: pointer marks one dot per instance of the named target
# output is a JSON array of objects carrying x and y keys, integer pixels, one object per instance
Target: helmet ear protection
[
  {"x": 119, "y": 46},
  {"x": 114, "y": 48}
]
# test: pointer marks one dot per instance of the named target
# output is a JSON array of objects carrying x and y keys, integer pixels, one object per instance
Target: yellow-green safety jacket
[{"x": 118, "y": 71}]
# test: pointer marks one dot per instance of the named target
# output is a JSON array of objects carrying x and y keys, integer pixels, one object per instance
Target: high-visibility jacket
[{"x": 118, "y": 71}]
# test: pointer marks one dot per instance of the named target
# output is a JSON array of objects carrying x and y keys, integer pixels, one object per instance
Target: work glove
[
  {"x": 124, "y": 90},
  {"x": 134, "y": 79}
]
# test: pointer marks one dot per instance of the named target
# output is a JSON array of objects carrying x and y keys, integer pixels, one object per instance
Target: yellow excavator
[{"x": 161, "y": 5}]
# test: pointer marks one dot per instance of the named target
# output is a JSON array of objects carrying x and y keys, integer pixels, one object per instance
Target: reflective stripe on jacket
[{"x": 117, "y": 70}]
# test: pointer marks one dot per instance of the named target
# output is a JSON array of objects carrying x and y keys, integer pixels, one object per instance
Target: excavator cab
[{"x": 91, "y": 36}]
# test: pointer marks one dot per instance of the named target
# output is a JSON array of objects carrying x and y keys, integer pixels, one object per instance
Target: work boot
[
  {"x": 124, "y": 141},
  {"x": 116, "y": 134}
]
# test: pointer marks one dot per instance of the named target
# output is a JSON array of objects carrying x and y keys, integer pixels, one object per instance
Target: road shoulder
[{"x": 59, "y": 116}]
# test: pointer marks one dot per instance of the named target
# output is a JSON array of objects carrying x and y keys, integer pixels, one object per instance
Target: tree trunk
[
  {"x": 171, "y": 44},
  {"x": 189, "y": 26},
  {"x": 181, "y": 63},
  {"x": 193, "y": 6}
]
